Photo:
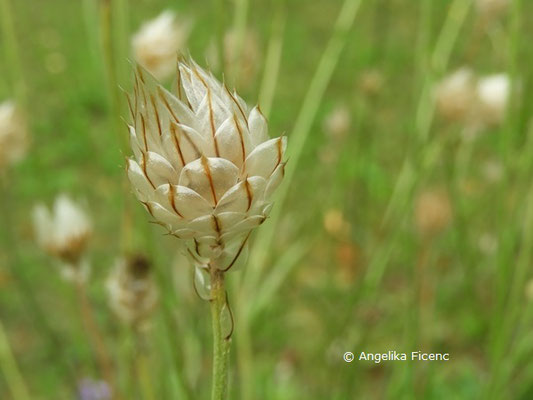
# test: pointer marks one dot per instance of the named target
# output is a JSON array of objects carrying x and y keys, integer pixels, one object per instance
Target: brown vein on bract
[
  {"x": 196, "y": 246},
  {"x": 217, "y": 224},
  {"x": 188, "y": 102},
  {"x": 178, "y": 77},
  {"x": 172, "y": 200},
  {"x": 238, "y": 253},
  {"x": 249, "y": 193},
  {"x": 194, "y": 257},
  {"x": 143, "y": 126},
  {"x": 280, "y": 152},
  {"x": 167, "y": 105},
  {"x": 136, "y": 94},
  {"x": 210, "y": 105},
  {"x": 176, "y": 142},
  {"x": 152, "y": 100},
  {"x": 209, "y": 178},
  {"x": 128, "y": 99},
  {"x": 191, "y": 142},
  {"x": 148, "y": 208},
  {"x": 212, "y": 121},
  {"x": 143, "y": 166},
  {"x": 236, "y": 103},
  {"x": 239, "y": 130},
  {"x": 140, "y": 73}
]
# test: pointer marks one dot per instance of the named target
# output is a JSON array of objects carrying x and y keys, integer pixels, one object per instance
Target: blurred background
[{"x": 405, "y": 221}]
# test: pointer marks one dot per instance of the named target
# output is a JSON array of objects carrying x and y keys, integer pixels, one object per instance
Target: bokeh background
[{"x": 399, "y": 226}]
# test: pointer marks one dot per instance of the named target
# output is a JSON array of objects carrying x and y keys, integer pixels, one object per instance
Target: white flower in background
[
  {"x": 338, "y": 122},
  {"x": 64, "y": 234},
  {"x": 157, "y": 43},
  {"x": 492, "y": 8},
  {"x": 203, "y": 166},
  {"x": 132, "y": 292},
  {"x": 13, "y": 135},
  {"x": 493, "y": 95},
  {"x": 456, "y": 94}
]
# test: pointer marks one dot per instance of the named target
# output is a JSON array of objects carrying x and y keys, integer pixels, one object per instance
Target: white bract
[
  {"x": 158, "y": 41},
  {"x": 13, "y": 135},
  {"x": 64, "y": 232},
  {"x": 203, "y": 165}
]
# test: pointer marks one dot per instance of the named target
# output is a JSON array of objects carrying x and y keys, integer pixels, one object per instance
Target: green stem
[
  {"x": 273, "y": 61},
  {"x": 10, "y": 369},
  {"x": 221, "y": 344},
  {"x": 11, "y": 52},
  {"x": 142, "y": 365}
]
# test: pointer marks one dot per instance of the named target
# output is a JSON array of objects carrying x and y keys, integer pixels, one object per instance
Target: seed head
[
  {"x": 132, "y": 292},
  {"x": 158, "y": 41},
  {"x": 203, "y": 164}
]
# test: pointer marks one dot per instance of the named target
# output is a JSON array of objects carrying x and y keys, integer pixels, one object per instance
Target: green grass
[{"x": 314, "y": 302}]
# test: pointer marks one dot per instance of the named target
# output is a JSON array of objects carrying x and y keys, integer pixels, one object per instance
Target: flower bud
[{"x": 203, "y": 165}]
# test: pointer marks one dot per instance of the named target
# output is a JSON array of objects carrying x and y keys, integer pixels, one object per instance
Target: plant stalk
[
  {"x": 9, "y": 367},
  {"x": 221, "y": 344},
  {"x": 95, "y": 336}
]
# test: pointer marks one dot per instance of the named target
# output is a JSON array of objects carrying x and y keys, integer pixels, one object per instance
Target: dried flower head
[
  {"x": 132, "y": 292},
  {"x": 158, "y": 41},
  {"x": 13, "y": 135},
  {"x": 338, "y": 122},
  {"x": 64, "y": 232},
  {"x": 493, "y": 95},
  {"x": 203, "y": 164},
  {"x": 433, "y": 211},
  {"x": 456, "y": 95}
]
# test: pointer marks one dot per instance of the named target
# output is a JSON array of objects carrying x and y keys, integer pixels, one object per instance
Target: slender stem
[
  {"x": 272, "y": 62},
  {"x": 221, "y": 344},
  {"x": 95, "y": 336},
  {"x": 219, "y": 9},
  {"x": 142, "y": 365},
  {"x": 239, "y": 30},
  {"x": 10, "y": 369},
  {"x": 18, "y": 269},
  {"x": 11, "y": 51}
]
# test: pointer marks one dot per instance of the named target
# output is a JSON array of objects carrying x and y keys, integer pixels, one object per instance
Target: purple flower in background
[{"x": 89, "y": 389}]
